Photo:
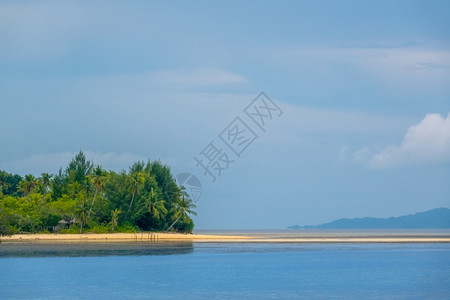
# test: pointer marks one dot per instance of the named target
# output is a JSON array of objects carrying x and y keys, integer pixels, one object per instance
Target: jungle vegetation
[{"x": 84, "y": 197}]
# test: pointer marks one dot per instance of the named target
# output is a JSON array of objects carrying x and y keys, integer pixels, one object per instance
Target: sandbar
[{"x": 224, "y": 238}]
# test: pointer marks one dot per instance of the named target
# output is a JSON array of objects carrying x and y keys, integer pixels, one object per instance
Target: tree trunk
[
  {"x": 93, "y": 201},
  {"x": 81, "y": 227},
  {"x": 131, "y": 203},
  {"x": 174, "y": 222}
]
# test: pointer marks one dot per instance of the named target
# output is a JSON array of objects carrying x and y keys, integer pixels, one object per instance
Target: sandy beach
[{"x": 222, "y": 238}]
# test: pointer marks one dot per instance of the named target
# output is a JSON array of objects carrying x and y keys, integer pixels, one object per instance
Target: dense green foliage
[{"x": 87, "y": 198}]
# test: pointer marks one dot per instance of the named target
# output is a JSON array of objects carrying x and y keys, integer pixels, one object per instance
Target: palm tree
[
  {"x": 156, "y": 205},
  {"x": 137, "y": 183},
  {"x": 82, "y": 212},
  {"x": 3, "y": 184},
  {"x": 182, "y": 208},
  {"x": 98, "y": 179},
  {"x": 23, "y": 188},
  {"x": 114, "y": 217},
  {"x": 27, "y": 185},
  {"x": 44, "y": 184},
  {"x": 74, "y": 189},
  {"x": 45, "y": 180}
]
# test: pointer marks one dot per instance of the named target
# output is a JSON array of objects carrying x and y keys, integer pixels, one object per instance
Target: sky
[{"x": 355, "y": 107}]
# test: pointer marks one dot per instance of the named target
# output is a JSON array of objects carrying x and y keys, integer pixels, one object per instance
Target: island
[
  {"x": 85, "y": 198},
  {"x": 431, "y": 219}
]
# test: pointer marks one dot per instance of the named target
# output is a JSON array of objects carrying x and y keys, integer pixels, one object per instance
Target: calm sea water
[{"x": 228, "y": 271}]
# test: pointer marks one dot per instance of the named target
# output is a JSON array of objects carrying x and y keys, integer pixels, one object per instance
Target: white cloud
[
  {"x": 322, "y": 120},
  {"x": 427, "y": 68},
  {"x": 425, "y": 143},
  {"x": 380, "y": 59},
  {"x": 361, "y": 154},
  {"x": 405, "y": 65}
]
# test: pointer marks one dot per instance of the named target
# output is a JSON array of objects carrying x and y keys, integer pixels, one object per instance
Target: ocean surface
[{"x": 224, "y": 271}]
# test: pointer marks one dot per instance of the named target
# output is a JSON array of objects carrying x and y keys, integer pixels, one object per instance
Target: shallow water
[
  {"x": 227, "y": 270},
  {"x": 310, "y": 232}
]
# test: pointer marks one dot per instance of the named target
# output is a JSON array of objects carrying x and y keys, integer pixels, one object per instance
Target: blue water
[{"x": 232, "y": 271}]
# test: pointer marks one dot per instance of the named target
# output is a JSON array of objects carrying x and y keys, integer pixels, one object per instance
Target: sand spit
[{"x": 223, "y": 238}]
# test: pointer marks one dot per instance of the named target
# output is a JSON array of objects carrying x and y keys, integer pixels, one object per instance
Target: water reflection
[{"x": 42, "y": 249}]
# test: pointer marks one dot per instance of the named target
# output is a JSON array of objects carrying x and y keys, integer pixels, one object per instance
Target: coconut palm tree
[
  {"x": 182, "y": 208},
  {"x": 98, "y": 179},
  {"x": 3, "y": 187},
  {"x": 3, "y": 184},
  {"x": 156, "y": 204},
  {"x": 45, "y": 180},
  {"x": 137, "y": 183},
  {"x": 75, "y": 189},
  {"x": 44, "y": 184},
  {"x": 114, "y": 217},
  {"x": 81, "y": 211},
  {"x": 27, "y": 185}
]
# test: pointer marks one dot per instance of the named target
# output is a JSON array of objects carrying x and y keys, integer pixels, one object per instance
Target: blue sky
[{"x": 364, "y": 87}]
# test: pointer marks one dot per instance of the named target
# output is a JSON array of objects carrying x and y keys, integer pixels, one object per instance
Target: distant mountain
[{"x": 435, "y": 218}]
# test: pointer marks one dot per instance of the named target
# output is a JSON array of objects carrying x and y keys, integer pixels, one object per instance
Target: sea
[{"x": 186, "y": 270}]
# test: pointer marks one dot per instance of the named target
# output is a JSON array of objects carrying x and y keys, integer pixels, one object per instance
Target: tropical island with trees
[{"x": 86, "y": 198}]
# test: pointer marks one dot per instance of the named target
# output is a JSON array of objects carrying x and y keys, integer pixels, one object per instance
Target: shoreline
[{"x": 158, "y": 237}]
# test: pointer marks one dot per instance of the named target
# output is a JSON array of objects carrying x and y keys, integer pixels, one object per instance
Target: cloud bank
[{"x": 425, "y": 143}]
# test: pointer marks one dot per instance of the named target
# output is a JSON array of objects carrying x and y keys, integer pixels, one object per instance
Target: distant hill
[{"x": 435, "y": 218}]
